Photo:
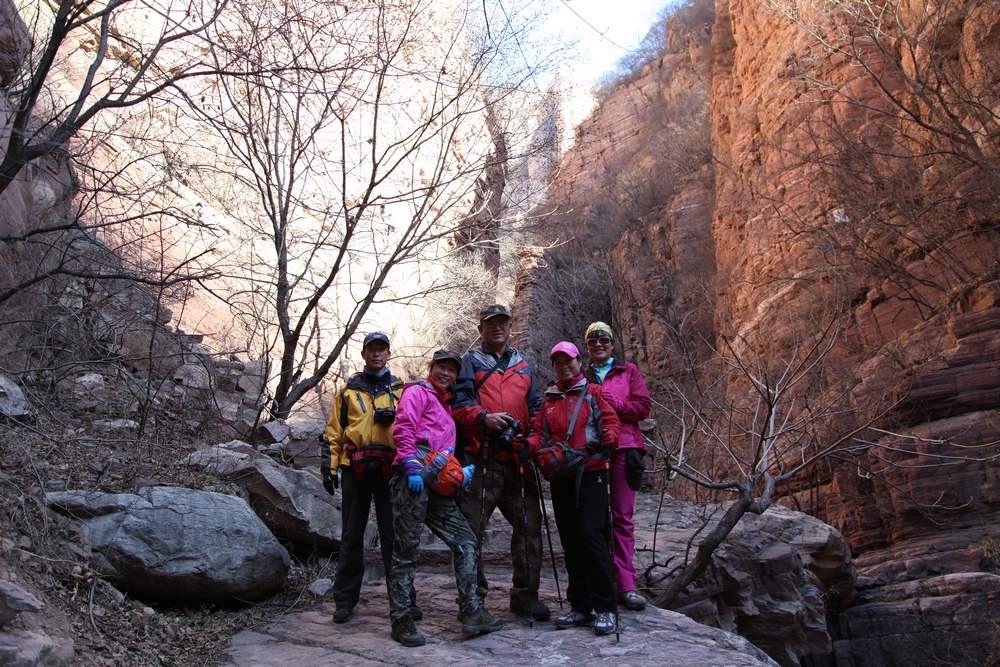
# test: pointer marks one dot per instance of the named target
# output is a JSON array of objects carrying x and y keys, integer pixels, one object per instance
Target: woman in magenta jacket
[{"x": 625, "y": 389}]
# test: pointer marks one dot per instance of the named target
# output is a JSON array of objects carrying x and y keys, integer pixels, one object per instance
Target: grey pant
[
  {"x": 442, "y": 516},
  {"x": 503, "y": 491}
]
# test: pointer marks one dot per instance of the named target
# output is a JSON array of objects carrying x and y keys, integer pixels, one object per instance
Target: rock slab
[
  {"x": 175, "y": 544},
  {"x": 653, "y": 637},
  {"x": 293, "y": 503}
]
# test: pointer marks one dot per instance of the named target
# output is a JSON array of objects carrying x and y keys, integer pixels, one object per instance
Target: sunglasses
[{"x": 603, "y": 340}]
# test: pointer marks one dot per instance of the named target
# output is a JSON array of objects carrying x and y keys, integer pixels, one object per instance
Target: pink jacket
[
  {"x": 625, "y": 389},
  {"x": 423, "y": 417}
]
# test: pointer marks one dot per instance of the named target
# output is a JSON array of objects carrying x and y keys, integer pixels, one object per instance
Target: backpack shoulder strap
[
  {"x": 576, "y": 413},
  {"x": 504, "y": 360}
]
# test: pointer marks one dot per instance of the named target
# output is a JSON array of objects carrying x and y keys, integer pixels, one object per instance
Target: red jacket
[
  {"x": 510, "y": 388},
  {"x": 626, "y": 391},
  {"x": 596, "y": 426}
]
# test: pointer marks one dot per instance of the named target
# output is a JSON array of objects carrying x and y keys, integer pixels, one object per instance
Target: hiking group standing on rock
[{"x": 476, "y": 435}]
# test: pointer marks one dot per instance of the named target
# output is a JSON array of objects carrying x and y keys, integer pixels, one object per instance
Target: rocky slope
[{"x": 806, "y": 215}]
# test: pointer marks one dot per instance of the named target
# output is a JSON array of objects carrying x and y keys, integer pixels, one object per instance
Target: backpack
[{"x": 561, "y": 460}]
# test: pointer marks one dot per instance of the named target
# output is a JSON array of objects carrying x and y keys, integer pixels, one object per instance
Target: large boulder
[
  {"x": 293, "y": 503},
  {"x": 773, "y": 580},
  {"x": 175, "y": 544}
]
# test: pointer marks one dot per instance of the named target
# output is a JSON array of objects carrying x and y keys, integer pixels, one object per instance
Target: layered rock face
[{"x": 826, "y": 202}]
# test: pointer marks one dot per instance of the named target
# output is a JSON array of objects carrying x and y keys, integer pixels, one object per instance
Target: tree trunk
[{"x": 705, "y": 550}]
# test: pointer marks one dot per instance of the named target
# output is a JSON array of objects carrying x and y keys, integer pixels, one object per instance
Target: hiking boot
[
  {"x": 533, "y": 608},
  {"x": 480, "y": 622},
  {"x": 405, "y": 632},
  {"x": 605, "y": 623},
  {"x": 416, "y": 614},
  {"x": 571, "y": 618},
  {"x": 632, "y": 600},
  {"x": 343, "y": 614}
]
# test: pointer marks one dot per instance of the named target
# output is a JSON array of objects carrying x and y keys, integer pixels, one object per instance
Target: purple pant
[{"x": 622, "y": 532}]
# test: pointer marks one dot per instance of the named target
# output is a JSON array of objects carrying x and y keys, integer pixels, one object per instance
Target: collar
[
  {"x": 506, "y": 350},
  {"x": 607, "y": 364},
  {"x": 559, "y": 388}
]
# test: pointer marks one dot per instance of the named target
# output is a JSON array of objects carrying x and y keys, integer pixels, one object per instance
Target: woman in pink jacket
[
  {"x": 625, "y": 389},
  {"x": 423, "y": 425}
]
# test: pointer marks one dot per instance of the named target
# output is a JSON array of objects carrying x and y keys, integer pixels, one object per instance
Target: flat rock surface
[{"x": 652, "y": 637}]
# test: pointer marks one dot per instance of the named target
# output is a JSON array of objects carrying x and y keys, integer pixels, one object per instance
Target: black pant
[
  {"x": 583, "y": 532},
  {"x": 356, "y": 500}
]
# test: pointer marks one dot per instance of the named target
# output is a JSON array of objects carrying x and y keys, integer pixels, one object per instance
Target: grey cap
[
  {"x": 375, "y": 336},
  {"x": 493, "y": 310},
  {"x": 447, "y": 355}
]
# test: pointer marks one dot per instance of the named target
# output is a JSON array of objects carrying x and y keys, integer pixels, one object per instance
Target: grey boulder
[
  {"x": 774, "y": 580},
  {"x": 15, "y": 600},
  {"x": 176, "y": 544},
  {"x": 293, "y": 503},
  {"x": 13, "y": 404}
]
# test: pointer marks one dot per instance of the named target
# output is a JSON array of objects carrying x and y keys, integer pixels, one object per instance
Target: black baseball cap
[
  {"x": 375, "y": 336},
  {"x": 447, "y": 355},
  {"x": 493, "y": 310}
]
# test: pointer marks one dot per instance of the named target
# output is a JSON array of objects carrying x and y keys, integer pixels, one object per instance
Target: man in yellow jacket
[{"x": 358, "y": 454}]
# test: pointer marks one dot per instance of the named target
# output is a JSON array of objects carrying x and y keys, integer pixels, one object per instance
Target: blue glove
[
  {"x": 467, "y": 473},
  {"x": 416, "y": 483}
]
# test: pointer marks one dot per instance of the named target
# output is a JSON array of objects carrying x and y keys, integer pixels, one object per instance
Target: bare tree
[
  {"x": 354, "y": 138},
  {"x": 137, "y": 49},
  {"x": 907, "y": 204},
  {"x": 747, "y": 424}
]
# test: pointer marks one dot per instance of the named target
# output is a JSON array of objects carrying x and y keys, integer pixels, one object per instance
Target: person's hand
[
  {"x": 467, "y": 473},
  {"x": 416, "y": 483},
  {"x": 331, "y": 482},
  {"x": 496, "y": 421}
]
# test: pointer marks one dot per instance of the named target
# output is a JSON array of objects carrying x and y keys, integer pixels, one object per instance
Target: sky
[{"x": 623, "y": 22}]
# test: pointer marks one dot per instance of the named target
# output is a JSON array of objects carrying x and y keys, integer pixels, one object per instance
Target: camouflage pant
[
  {"x": 442, "y": 516},
  {"x": 503, "y": 490}
]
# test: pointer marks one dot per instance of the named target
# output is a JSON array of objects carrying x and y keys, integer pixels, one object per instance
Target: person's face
[
  {"x": 443, "y": 373},
  {"x": 376, "y": 355},
  {"x": 599, "y": 348},
  {"x": 565, "y": 366},
  {"x": 495, "y": 331}
]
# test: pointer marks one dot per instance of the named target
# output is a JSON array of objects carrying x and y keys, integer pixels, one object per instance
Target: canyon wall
[{"x": 823, "y": 204}]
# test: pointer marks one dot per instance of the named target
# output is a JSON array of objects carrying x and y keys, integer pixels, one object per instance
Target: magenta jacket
[
  {"x": 423, "y": 417},
  {"x": 625, "y": 389}
]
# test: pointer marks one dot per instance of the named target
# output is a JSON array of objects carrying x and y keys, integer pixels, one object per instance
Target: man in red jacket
[{"x": 496, "y": 388}]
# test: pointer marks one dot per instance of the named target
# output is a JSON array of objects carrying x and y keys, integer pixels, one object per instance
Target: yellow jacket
[{"x": 352, "y": 423}]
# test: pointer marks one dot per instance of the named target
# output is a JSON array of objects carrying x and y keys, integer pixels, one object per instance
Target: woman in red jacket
[
  {"x": 575, "y": 415},
  {"x": 625, "y": 389}
]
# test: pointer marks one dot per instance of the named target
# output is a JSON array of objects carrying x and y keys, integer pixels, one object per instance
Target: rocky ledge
[{"x": 652, "y": 637}]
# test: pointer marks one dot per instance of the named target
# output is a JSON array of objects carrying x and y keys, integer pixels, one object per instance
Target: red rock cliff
[{"x": 859, "y": 185}]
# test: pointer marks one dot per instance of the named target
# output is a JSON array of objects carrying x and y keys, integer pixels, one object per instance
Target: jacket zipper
[{"x": 361, "y": 403}]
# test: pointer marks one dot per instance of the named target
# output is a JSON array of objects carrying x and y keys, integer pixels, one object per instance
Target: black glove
[
  {"x": 331, "y": 481},
  {"x": 635, "y": 466}
]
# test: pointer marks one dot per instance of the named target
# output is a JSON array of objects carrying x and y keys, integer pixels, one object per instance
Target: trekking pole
[
  {"x": 524, "y": 531},
  {"x": 482, "y": 507},
  {"x": 548, "y": 534},
  {"x": 611, "y": 555}
]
